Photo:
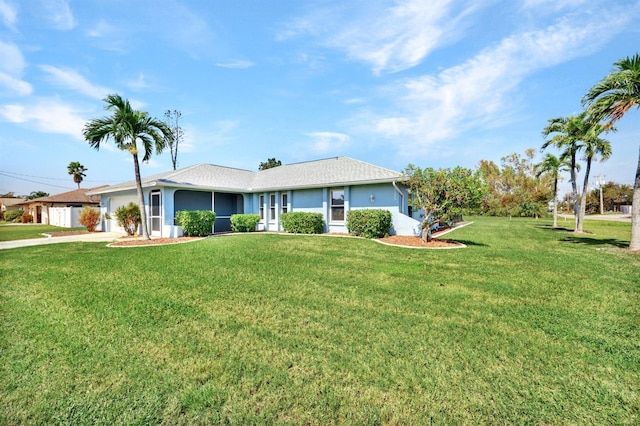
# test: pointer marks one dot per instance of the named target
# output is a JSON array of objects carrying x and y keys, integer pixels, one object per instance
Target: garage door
[{"x": 114, "y": 203}]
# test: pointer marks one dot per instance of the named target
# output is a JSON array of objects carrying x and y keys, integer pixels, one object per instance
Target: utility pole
[{"x": 601, "y": 181}]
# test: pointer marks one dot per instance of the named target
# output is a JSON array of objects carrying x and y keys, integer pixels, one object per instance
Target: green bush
[
  {"x": 531, "y": 209},
  {"x": 89, "y": 218},
  {"x": 244, "y": 222},
  {"x": 302, "y": 222},
  {"x": 195, "y": 223},
  {"x": 369, "y": 223},
  {"x": 12, "y": 215},
  {"x": 129, "y": 217}
]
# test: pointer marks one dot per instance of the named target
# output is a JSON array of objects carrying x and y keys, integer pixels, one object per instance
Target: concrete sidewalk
[
  {"x": 607, "y": 217},
  {"x": 91, "y": 238}
]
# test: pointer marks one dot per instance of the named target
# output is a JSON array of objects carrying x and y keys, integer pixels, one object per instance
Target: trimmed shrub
[
  {"x": 129, "y": 217},
  {"x": 12, "y": 215},
  {"x": 195, "y": 223},
  {"x": 369, "y": 223},
  {"x": 244, "y": 222},
  {"x": 89, "y": 218},
  {"x": 302, "y": 222},
  {"x": 26, "y": 218}
]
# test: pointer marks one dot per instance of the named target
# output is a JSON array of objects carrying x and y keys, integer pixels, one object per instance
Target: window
[
  {"x": 337, "y": 205},
  {"x": 283, "y": 204},
  {"x": 272, "y": 206},
  {"x": 261, "y": 202}
]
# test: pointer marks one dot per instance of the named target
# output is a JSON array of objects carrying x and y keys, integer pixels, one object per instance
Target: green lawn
[
  {"x": 12, "y": 232},
  {"x": 528, "y": 325}
]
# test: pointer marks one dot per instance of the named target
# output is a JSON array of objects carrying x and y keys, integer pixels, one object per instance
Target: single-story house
[
  {"x": 61, "y": 209},
  {"x": 330, "y": 186},
  {"x": 10, "y": 203}
]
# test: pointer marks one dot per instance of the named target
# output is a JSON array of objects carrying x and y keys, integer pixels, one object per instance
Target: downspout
[{"x": 401, "y": 196}]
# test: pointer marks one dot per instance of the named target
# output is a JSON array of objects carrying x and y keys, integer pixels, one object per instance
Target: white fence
[{"x": 66, "y": 217}]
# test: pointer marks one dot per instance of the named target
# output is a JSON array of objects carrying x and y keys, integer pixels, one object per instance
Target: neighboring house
[
  {"x": 331, "y": 186},
  {"x": 61, "y": 209},
  {"x": 10, "y": 203}
]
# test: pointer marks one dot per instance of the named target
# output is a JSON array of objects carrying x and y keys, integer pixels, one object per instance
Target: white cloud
[
  {"x": 46, "y": 115},
  {"x": 478, "y": 92},
  {"x": 59, "y": 14},
  {"x": 136, "y": 104},
  {"x": 15, "y": 86},
  {"x": 390, "y": 38},
  {"x": 138, "y": 83},
  {"x": 328, "y": 142},
  {"x": 236, "y": 64},
  {"x": 216, "y": 134},
  {"x": 72, "y": 80},
  {"x": 550, "y": 6},
  {"x": 182, "y": 27},
  {"x": 12, "y": 60},
  {"x": 8, "y": 14},
  {"x": 352, "y": 101},
  {"x": 107, "y": 36},
  {"x": 151, "y": 164},
  {"x": 101, "y": 29},
  {"x": 11, "y": 69}
]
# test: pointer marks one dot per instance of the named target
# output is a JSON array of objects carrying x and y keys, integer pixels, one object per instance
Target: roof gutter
[
  {"x": 109, "y": 190},
  {"x": 248, "y": 190}
]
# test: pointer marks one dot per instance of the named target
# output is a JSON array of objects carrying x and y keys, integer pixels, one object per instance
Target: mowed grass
[
  {"x": 526, "y": 325},
  {"x": 26, "y": 231}
]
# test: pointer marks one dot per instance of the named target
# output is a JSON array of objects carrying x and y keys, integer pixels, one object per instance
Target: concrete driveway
[{"x": 92, "y": 238}]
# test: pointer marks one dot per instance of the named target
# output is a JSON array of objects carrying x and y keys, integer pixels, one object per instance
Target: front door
[{"x": 156, "y": 213}]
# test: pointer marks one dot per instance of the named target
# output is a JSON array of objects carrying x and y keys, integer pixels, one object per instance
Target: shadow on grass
[
  {"x": 558, "y": 228},
  {"x": 469, "y": 243},
  {"x": 584, "y": 238},
  {"x": 595, "y": 241}
]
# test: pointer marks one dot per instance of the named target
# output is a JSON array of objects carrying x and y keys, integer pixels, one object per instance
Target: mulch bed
[
  {"x": 396, "y": 240},
  {"x": 399, "y": 240}
]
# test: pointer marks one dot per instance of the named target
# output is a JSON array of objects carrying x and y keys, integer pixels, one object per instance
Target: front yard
[
  {"x": 525, "y": 325},
  {"x": 24, "y": 231}
]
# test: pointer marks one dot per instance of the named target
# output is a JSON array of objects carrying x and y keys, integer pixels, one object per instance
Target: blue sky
[{"x": 436, "y": 83}]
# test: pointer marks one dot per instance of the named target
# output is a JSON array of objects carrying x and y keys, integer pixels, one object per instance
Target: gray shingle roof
[
  {"x": 321, "y": 173},
  {"x": 337, "y": 171}
]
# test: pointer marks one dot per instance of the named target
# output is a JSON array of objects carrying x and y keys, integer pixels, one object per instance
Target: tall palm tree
[
  {"x": 568, "y": 133},
  {"x": 127, "y": 126},
  {"x": 609, "y": 100},
  {"x": 553, "y": 166},
  {"x": 594, "y": 146},
  {"x": 77, "y": 170}
]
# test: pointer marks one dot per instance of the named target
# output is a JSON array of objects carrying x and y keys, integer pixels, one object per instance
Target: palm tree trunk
[
  {"x": 555, "y": 202},
  {"x": 583, "y": 198},
  {"x": 143, "y": 214},
  {"x": 635, "y": 212},
  {"x": 574, "y": 187}
]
